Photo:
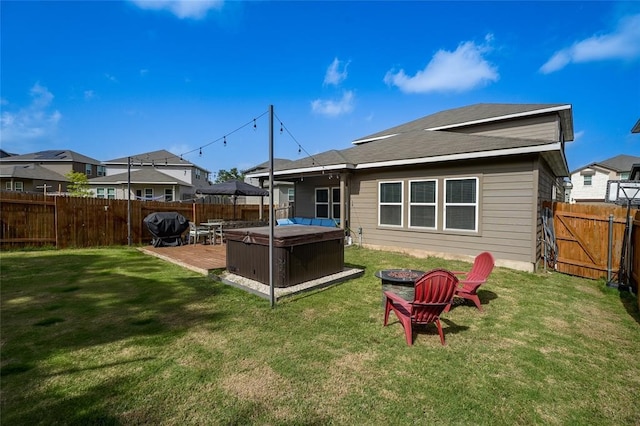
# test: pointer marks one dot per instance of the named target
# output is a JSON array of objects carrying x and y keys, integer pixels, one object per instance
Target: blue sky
[{"x": 118, "y": 78}]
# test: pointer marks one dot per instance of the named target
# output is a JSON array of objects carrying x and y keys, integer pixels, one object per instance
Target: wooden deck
[{"x": 201, "y": 258}]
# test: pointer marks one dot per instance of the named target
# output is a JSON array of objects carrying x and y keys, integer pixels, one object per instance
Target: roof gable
[
  {"x": 476, "y": 114},
  {"x": 619, "y": 163}
]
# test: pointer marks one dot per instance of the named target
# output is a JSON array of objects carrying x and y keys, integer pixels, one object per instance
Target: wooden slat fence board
[
  {"x": 38, "y": 220},
  {"x": 582, "y": 235}
]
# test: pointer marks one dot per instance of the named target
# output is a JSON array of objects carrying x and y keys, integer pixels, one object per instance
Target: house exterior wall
[
  {"x": 590, "y": 193},
  {"x": 539, "y": 128},
  {"x": 507, "y": 216}
]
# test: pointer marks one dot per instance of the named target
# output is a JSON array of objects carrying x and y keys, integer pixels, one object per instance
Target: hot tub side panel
[{"x": 292, "y": 264}]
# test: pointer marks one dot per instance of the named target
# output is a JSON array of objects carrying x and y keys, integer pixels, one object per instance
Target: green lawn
[{"x": 112, "y": 336}]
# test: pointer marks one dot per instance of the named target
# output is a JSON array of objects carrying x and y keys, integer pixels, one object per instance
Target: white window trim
[
  {"x": 18, "y": 186},
  {"x": 401, "y": 203},
  {"x": 328, "y": 203},
  {"x": 476, "y": 205},
  {"x": 8, "y": 185},
  {"x": 145, "y": 196},
  {"x": 434, "y": 204},
  {"x": 88, "y": 169},
  {"x": 110, "y": 193},
  {"x": 101, "y": 192},
  {"x": 334, "y": 203},
  {"x": 291, "y": 195}
]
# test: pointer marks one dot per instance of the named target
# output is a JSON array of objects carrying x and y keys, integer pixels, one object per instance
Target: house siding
[
  {"x": 506, "y": 212},
  {"x": 538, "y": 128},
  {"x": 594, "y": 192}
]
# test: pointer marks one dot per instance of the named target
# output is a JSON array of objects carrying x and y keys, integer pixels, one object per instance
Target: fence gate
[{"x": 583, "y": 234}]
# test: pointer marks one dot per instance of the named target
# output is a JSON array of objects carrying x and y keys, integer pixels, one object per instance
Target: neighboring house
[
  {"x": 451, "y": 184},
  {"x": 158, "y": 175},
  {"x": 31, "y": 178},
  {"x": 57, "y": 162},
  {"x": 283, "y": 194},
  {"x": 590, "y": 181}
]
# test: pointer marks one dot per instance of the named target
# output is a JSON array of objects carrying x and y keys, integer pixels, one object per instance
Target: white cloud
[
  {"x": 460, "y": 70},
  {"x": 33, "y": 122},
  {"x": 334, "y": 108},
  {"x": 336, "y": 73},
  {"x": 88, "y": 95},
  {"x": 623, "y": 43},
  {"x": 183, "y": 9},
  {"x": 110, "y": 77}
]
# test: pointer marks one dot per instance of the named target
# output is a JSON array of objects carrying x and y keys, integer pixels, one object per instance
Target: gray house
[
  {"x": 157, "y": 175},
  {"x": 451, "y": 184},
  {"x": 44, "y": 171}
]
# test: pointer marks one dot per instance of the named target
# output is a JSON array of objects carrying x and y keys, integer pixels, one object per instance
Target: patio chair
[
  {"x": 433, "y": 293},
  {"x": 470, "y": 282},
  {"x": 198, "y": 232}
]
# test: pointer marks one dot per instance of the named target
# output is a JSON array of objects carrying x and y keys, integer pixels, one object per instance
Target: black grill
[{"x": 166, "y": 228}]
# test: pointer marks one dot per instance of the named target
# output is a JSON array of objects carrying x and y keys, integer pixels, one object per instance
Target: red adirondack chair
[
  {"x": 433, "y": 293},
  {"x": 482, "y": 267}
]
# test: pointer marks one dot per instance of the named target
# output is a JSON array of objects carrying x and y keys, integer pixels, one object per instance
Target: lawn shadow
[
  {"x": 83, "y": 302},
  {"x": 485, "y": 296},
  {"x": 630, "y": 303}
]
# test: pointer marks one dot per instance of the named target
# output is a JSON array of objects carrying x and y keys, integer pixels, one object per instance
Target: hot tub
[{"x": 300, "y": 253}]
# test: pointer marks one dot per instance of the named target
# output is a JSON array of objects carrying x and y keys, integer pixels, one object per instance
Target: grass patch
[{"x": 136, "y": 340}]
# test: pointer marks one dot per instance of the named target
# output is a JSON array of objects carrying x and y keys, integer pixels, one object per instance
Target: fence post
[{"x": 609, "y": 251}]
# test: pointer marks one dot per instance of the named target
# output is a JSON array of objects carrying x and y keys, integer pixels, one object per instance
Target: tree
[
  {"x": 79, "y": 184},
  {"x": 232, "y": 174}
]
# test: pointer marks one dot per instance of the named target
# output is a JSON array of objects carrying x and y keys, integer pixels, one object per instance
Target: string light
[
  {"x": 200, "y": 151},
  {"x": 225, "y": 141},
  {"x": 254, "y": 124}
]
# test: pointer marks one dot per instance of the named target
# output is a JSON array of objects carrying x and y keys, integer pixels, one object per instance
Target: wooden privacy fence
[
  {"x": 590, "y": 240},
  {"x": 30, "y": 220}
]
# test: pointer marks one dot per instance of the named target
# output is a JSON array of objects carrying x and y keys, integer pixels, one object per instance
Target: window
[
  {"x": 148, "y": 193},
  {"x": 291, "y": 195},
  {"x": 461, "y": 204},
  {"x": 390, "y": 203},
  {"x": 587, "y": 180},
  {"x": 624, "y": 176},
  {"x": 168, "y": 195},
  {"x": 138, "y": 194},
  {"x": 8, "y": 186},
  {"x": 322, "y": 202},
  {"x": 88, "y": 169},
  {"x": 335, "y": 202},
  {"x": 111, "y": 193},
  {"x": 18, "y": 186},
  {"x": 101, "y": 171},
  {"x": 99, "y": 192},
  {"x": 422, "y": 204},
  {"x": 198, "y": 173}
]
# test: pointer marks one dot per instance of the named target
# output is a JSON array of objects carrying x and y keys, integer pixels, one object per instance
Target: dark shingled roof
[
  {"x": 619, "y": 163},
  {"x": 53, "y": 155},
  {"x": 460, "y": 116},
  {"x": 144, "y": 175},
  {"x": 30, "y": 171}
]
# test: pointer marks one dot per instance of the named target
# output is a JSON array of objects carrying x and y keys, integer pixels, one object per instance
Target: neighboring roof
[
  {"x": 419, "y": 146},
  {"x": 277, "y": 164},
  {"x": 147, "y": 175},
  {"x": 160, "y": 157},
  {"x": 619, "y": 163},
  {"x": 52, "y": 155},
  {"x": 30, "y": 171},
  {"x": 477, "y": 114},
  {"x": 636, "y": 128},
  {"x": 4, "y": 154}
]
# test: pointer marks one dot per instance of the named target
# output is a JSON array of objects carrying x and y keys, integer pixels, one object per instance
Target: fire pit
[{"x": 399, "y": 281}]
